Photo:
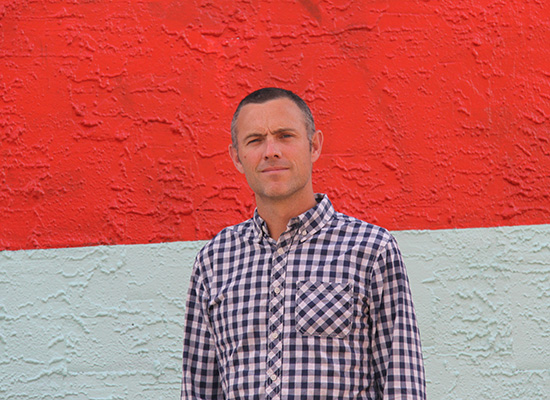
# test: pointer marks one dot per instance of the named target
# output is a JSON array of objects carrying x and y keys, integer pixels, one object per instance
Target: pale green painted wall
[
  {"x": 106, "y": 322},
  {"x": 483, "y": 302}
]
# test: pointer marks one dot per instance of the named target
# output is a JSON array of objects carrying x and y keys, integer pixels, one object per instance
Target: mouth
[{"x": 272, "y": 170}]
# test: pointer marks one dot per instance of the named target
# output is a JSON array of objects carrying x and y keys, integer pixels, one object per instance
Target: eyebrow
[
  {"x": 275, "y": 132},
  {"x": 281, "y": 130}
]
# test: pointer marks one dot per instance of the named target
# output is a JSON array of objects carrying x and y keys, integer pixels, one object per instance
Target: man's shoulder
[
  {"x": 226, "y": 238},
  {"x": 242, "y": 230},
  {"x": 360, "y": 229}
]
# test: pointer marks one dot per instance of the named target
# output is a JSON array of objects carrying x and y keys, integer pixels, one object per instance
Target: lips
[{"x": 273, "y": 169}]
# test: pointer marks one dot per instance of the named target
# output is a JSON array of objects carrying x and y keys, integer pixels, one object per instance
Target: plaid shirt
[{"x": 325, "y": 312}]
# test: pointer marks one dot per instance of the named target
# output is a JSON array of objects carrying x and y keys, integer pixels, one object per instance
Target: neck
[{"x": 277, "y": 213}]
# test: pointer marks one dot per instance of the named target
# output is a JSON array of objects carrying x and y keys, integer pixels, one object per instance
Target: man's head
[
  {"x": 274, "y": 146},
  {"x": 270, "y": 93}
]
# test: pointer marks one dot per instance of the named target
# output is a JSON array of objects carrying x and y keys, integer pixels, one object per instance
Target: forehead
[{"x": 271, "y": 115}]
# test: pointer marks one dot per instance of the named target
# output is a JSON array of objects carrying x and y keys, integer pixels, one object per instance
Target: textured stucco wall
[
  {"x": 483, "y": 300},
  {"x": 114, "y": 115},
  {"x": 114, "y": 121},
  {"x": 93, "y": 322},
  {"x": 106, "y": 322}
]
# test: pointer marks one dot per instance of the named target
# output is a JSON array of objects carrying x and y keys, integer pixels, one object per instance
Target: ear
[
  {"x": 235, "y": 157},
  {"x": 316, "y": 145}
]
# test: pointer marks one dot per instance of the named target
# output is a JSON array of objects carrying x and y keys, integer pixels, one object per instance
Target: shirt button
[
  {"x": 274, "y": 335},
  {"x": 273, "y": 377},
  {"x": 277, "y": 289},
  {"x": 280, "y": 251}
]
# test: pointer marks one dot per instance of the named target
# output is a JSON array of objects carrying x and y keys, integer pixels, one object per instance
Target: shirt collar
[{"x": 307, "y": 223}]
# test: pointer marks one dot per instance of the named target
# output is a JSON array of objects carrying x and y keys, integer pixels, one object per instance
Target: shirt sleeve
[
  {"x": 396, "y": 349},
  {"x": 201, "y": 379}
]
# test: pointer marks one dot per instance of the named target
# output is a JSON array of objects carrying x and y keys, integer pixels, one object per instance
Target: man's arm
[
  {"x": 201, "y": 379},
  {"x": 397, "y": 353}
]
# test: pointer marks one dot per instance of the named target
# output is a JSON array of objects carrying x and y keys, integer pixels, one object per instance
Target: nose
[{"x": 272, "y": 149}]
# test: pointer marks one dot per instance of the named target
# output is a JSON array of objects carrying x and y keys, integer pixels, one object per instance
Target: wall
[
  {"x": 436, "y": 114},
  {"x": 482, "y": 300},
  {"x": 114, "y": 121},
  {"x": 106, "y": 322},
  {"x": 101, "y": 322}
]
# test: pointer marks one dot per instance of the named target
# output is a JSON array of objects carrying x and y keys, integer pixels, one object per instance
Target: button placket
[{"x": 275, "y": 326}]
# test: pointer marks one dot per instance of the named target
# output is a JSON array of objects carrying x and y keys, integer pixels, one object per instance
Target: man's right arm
[{"x": 201, "y": 380}]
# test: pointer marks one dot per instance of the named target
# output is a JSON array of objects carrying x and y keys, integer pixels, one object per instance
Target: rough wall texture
[
  {"x": 114, "y": 121},
  {"x": 114, "y": 115},
  {"x": 93, "y": 322},
  {"x": 106, "y": 322},
  {"x": 482, "y": 299}
]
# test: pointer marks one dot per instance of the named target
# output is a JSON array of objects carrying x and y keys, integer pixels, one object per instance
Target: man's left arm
[{"x": 397, "y": 353}]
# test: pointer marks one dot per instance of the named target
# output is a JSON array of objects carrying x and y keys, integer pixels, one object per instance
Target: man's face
[{"x": 273, "y": 150}]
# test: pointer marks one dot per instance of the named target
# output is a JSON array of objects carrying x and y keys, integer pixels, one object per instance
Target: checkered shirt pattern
[{"x": 325, "y": 312}]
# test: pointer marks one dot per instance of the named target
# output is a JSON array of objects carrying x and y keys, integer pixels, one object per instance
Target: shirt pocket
[{"x": 324, "y": 308}]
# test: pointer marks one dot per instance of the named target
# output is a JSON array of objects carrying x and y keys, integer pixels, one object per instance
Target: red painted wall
[{"x": 114, "y": 115}]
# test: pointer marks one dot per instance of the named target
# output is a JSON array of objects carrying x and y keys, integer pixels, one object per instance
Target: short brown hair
[{"x": 271, "y": 93}]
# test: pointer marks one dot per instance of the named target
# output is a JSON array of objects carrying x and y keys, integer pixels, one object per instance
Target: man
[{"x": 299, "y": 302}]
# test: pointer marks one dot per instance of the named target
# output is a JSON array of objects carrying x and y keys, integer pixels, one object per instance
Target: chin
[{"x": 274, "y": 194}]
